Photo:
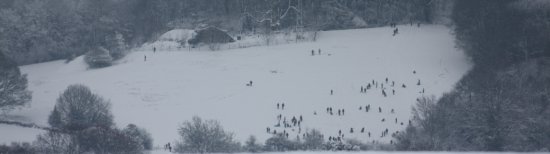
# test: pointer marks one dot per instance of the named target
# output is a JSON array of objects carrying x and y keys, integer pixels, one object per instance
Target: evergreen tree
[{"x": 13, "y": 85}]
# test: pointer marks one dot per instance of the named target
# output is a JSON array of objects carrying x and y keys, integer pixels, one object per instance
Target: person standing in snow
[
  {"x": 277, "y": 106},
  {"x": 312, "y": 52},
  {"x": 144, "y": 57},
  {"x": 331, "y": 92},
  {"x": 154, "y": 49},
  {"x": 319, "y": 52},
  {"x": 283, "y": 106}
]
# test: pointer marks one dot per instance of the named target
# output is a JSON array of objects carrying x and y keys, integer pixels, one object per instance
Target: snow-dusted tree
[
  {"x": 141, "y": 134},
  {"x": 201, "y": 136},
  {"x": 87, "y": 119},
  {"x": 13, "y": 85},
  {"x": 280, "y": 143},
  {"x": 77, "y": 108},
  {"x": 116, "y": 45},
  {"x": 251, "y": 145},
  {"x": 314, "y": 140},
  {"x": 54, "y": 142},
  {"x": 98, "y": 57}
]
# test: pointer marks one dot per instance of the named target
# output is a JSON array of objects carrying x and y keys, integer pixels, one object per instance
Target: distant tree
[
  {"x": 16, "y": 147},
  {"x": 251, "y": 145},
  {"x": 205, "y": 136},
  {"x": 141, "y": 134},
  {"x": 116, "y": 44},
  {"x": 77, "y": 108},
  {"x": 98, "y": 57},
  {"x": 13, "y": 85},
  {"x": 314, "y": 140},
  {"x": 280, "y": 143},
  {"x": 87, "y": 119},
  {"x": 54, "y": 142}
]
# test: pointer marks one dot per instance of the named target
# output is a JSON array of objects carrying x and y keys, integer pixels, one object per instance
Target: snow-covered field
[
  {"x": 373, "y": 152},
  {"x": 172, "y": 86}
]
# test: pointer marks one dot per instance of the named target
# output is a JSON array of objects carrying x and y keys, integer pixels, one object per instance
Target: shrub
[
  {"x": 77, "y": 108},
  {"x": 314, "y": 140},
  {"x": 22, "y": 148},
  {"x": 252, "y": 146},
  {"x": 280, "y": 143},
  {"x": 140, "y": 134},
  {"x": 200, "y": 136},
  {"x": 13, "y": 85},
  {"x": 98, "y": 57}
]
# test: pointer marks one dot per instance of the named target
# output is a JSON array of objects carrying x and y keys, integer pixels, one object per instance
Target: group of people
[
  {"x": 168, "y": 147},
  {"x": 313, "y": 52},
  {"x": 295, "y": 122},
  {"x": 341, "y": 112}
]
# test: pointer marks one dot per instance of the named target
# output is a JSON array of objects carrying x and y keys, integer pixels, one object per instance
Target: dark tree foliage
[
  {"x": 87, "y": 119},
  {"x": 13, "y": 85},
  {"x": 503, "y": 103},
  {"x": 205, "y": 136},
  {"x": 34, "y": 31},
  {"x": 77, "y": 108}
]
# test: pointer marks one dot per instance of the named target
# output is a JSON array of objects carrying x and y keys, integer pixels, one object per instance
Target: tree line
[
  {"x": 503, "y": 103},
  {"x": 34, "y": 31}
]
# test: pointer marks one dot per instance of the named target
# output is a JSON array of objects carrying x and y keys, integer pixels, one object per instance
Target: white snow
[
  {"x": 373, "y": 152},
  {"x": 172, "y": 86}
]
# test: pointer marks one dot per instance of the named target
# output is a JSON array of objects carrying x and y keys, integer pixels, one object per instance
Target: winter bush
[
  {"x": 16, "y": 148},
  {"x": 251, "y": 145},
  {"x": 280, "y": 143},
  {"x": 88, "y": 123},
  {"x": 108, "y": 140},
  {"x": 140, "y": 134},
  {"x": 314, "y": 140},
  {"x": 77, "y": 108},
  {"x": 205, "y": 136},
  {"x": 13, "y": 85},
  {"x": 98, "y": 57},
  {"x": 54, "y": 142}
]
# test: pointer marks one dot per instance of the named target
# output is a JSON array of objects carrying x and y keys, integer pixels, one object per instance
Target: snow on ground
[
  {"x": 177, "y": 40},
  {"x": 172, "y": 86},
  {"x": 372, "y": 152}
]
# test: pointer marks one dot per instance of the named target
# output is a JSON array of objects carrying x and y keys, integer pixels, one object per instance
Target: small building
[{"x": 210, "y": 35}]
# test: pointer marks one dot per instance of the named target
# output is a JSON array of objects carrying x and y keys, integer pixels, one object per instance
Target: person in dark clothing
[
  {"x": 319, "y": 52},
  {"x": 154, "y": 49},
  {"x": 313, "y": 52},
  {"x": 277, "y": 106},
  {"x": 331, "y": 92},
  {"x": 283, "y": 106},
  {"x": 144, "y": 58}
]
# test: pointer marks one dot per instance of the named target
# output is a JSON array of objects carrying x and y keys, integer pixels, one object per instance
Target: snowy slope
[{"x": 172, "y": 86}]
